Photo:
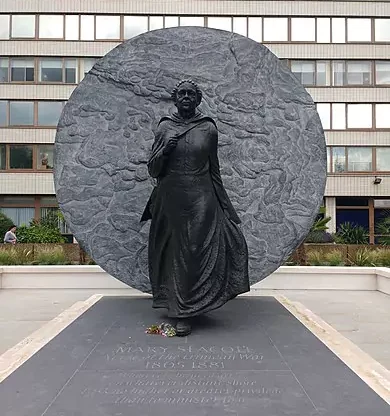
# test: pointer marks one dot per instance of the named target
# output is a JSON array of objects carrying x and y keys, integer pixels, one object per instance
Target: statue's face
[{"x": 186, "y": 97}]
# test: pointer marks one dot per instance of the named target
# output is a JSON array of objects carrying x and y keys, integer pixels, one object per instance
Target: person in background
[{"x": 10, "y": 236}]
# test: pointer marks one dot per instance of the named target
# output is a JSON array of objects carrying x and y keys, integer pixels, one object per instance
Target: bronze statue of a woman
[{"x": 198, "y": 256}]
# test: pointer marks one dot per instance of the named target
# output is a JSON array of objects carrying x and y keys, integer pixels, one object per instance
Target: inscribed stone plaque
[{"x": 271, "y": 145}]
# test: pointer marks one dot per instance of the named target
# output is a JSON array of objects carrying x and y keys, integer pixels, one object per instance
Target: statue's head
[{"x": 186, "y": 96}]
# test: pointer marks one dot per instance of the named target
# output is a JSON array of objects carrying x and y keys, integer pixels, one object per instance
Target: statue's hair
[{"x": 197, "y": 89}]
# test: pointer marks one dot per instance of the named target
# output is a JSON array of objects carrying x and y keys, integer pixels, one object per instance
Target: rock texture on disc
[{"x": 271, "y": 145}]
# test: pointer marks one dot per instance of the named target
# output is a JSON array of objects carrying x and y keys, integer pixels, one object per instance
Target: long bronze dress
[{"x": 198, "y": 257}]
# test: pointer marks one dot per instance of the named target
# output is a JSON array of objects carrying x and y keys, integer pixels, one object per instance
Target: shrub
[
  {"x": 349, "y": 233},
  {"x": 382, "y": 257},
  {"x": 383, "y": 227},
  {"x": 363, "y": 258},
  {"x": 315, "y": 258},
  {"x": 5, "y": 223},
  {"x": 318, "y": 237},
  {"x": 334, "y": 258},
  {"x": 13, "y": 256},
  {"x": 51, "y": 255},
  {"x": 38, "y": 233}
]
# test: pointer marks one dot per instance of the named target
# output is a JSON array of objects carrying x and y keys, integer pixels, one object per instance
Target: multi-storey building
[{"x": 340, "y": 50}]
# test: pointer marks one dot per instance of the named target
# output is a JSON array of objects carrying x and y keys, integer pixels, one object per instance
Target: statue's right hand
[{"x": 171, "y": 145}]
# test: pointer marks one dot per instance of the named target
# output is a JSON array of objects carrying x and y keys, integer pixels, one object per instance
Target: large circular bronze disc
[{"x": 271, "y": 145}]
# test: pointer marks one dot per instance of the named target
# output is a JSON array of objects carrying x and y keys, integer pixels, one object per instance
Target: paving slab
[{"x": 251, "y": 357}]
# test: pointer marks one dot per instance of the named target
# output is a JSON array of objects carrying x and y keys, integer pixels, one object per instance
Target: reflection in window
[
  {"x": 71, "y": 27},
  {"x": 21, "y": 157},
  {"x": 51, "y": 26},
  {"x": 359, "y": 30},
  {"x": 156, "y": 22},
  {"x": 3, "y": 113},
  {"x": 45, "y": 157},
  {"x": 4, "y": 26},
  {"x": 339, "y": 73},
  {"x": 22, "y": 70},
  {"x": 382, "y": 116},
  {"x": 50, "y": 70},
  {"x": 338, "y": 159},
  {"x": 23, "y": 26},
  {"x": 359, "y": 116},
  {"x": 222, "y": 23},
  {"x": 21, "y": 113},
  {"x": 382, "y": 30},
  {"x": 2, "y": 157},
  {"x": 338, "y": 30},
  {"x": 359, "y": 159},
  {"x": 108, "y": 27},
  {"x": 70, "y": 71},
  {"x": 304, "y": 71},
  {"x": 240, "y": 26},
  {"x": 382, "y": 72},
  {"x": 86, "y": 65},
  {"x": 328, "y": 162},
  {"x": 191, "y": 21},
  {"x": 87, "y": 27},
  {"x": 338, "y": 116},
  {"x": 303, "y": 29},
  {"x": 383, "y": 159},
  {"x": 323, "y": 30},
  {"x": 49, "y": 112},
  {"x": 4, "y": 64},
  {"x": 324, "y": 113},
  {"x": 323, "y": 73},
  {"x": 275, "y": 29},
  {"x": 135, "y": 25},
  {"x": 358, "y": 73},
  {"x": 254, "y": 28},
  {"x": 171, "y": 21}
]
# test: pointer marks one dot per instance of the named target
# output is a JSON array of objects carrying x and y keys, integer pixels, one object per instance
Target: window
[
  {"x": 4, "y": 64},
  {"x": 338, "y": 116},
  {"x": 171, "y": 21},
  {"x": 358, "y": 73},
  {"x": 359, "y": 159},
  {"x": 23, "y": 26},
  {"x": 359, "y": 30},
  {"x": 382, "y": 30},
  {"x": 222, "y": 23},
  {"x": 51, "y": 26},
  {"x": 240, "y": 25},
  {"x": 21, "y": 113},
  {"x": 3, "y": 113},
  {"x": 19, "y": 216},
  {"x": 87, "y": 27},
  {"x": 70, "y": 71},
  {"x": 156, "y": 22},
  {"x": 86, "y": 65},
  {"x": 382, "y": 116},
  {"x": 382, "y": 72},
  {"x": 324, "y": 113},
  {"x": 304, "y": 71},
  {"x": 338, "y": 30},
  {"x": 339, "y": 76},
  {"x": 359, "y": 116},
  {"x": 254, "y": 28},
  {"x": 338, "y": 159},
  {"x": 50, "y": 70},
  {"x": 108, "y": 27},
  {"x": 49, "y": 112},
  {"x": 191, "y": 21},
  {"x": 383, "y": 159},
  {"x": 275, "y": 29},
  {"x": 328, "y": 165},
  {"x": 20, "y": 157},
  {"x": 2, "y": 157},
  {"x": 22, "y": 70},
  {"x": 4, "y": 26},
  {"x": 303, "y": 29},
  {"x": 135, "y": 25},
  {"x": 71, "y": 27},
  {"x": 45, "y": 156},
  {"x": 323, "y": 30},
  {"x": 323, "y": 73}
]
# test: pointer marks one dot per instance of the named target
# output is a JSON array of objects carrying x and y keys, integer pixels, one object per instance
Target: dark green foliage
[
  {"x": 5, "y": 223},
  {"x": 318, "y": 237},
  {"x": 383, "y": 227},
  {"x": 349, "y": 233},
  {"x": 38, "y": 233}
]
